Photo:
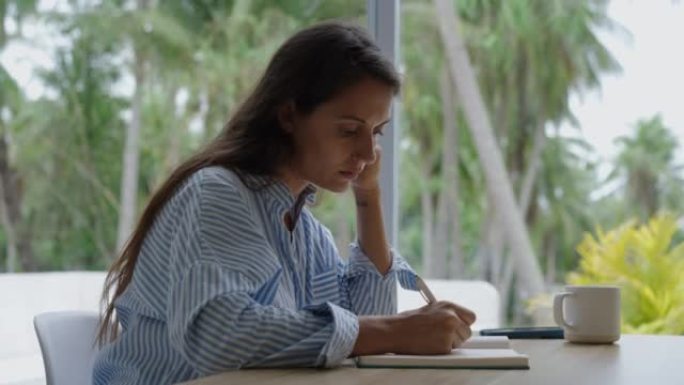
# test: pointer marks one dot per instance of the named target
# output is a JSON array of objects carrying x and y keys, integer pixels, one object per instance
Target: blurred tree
[
  {"x": 530, "y": 57},
  {"x": 646, "y": 162},
  {"x": 137, "y": 36},
  {"x": 196, "y": 60},
  {"x": 73, "y": 163},
  {"x": 14, "y": 11},
  {"x": 564, "y": 209},
  {"x": 423, "y": 124},
  {"x": 11, "y": 191},
  {"x": 17, "y": 233},
  {"x": 497, "y": 181}
]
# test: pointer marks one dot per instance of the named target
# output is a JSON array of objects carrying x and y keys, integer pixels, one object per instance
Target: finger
[
  {"x": 467, "y": 315},
  {"x": 458, "y": 327},
  {"x": 467, "y": 332},
  {"x": 458, "y": 340},
  {"x": 463, "y": 331}
]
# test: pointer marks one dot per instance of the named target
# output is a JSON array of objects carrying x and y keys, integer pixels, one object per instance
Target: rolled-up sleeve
[
  {"x": 363, "y": 289},
  {"x": 224, "y": 276},
  {"x": 371, "y": 293}
]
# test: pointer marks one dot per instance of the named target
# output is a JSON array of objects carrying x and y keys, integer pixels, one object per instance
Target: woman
[{"x": 226, "y": 269}]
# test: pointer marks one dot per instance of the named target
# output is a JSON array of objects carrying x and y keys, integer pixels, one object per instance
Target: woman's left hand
[{"x": 368, "y": 179}]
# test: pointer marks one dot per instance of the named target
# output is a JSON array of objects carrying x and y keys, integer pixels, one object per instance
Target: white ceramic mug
[{"x": 588, "y": 314}]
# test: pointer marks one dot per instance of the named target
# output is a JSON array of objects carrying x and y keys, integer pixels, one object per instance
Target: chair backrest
[
  {"x": 67, "y": 342},
  {"x": 479, "y": 296}
]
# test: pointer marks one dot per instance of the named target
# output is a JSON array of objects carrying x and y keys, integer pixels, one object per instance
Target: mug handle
[{"x": 558, "y": 309}]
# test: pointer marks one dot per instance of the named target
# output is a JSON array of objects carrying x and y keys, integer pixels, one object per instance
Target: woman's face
[{"x": 335, "y": 142}]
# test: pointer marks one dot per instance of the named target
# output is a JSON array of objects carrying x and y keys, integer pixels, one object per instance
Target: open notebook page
[
  {"x": 457, "y": 359},
  {"x": 487, "y": 342},
  {"x": 476, "y": 353}
]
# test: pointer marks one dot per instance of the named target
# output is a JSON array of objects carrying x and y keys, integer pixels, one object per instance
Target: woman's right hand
[{"x": 433, "y": 329}]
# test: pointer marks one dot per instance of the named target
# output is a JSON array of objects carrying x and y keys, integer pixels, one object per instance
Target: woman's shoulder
[
  {"x": 214, "y": 179},
  {"x": 217, "y": 175},
  {"x": 210, "y": 187}
]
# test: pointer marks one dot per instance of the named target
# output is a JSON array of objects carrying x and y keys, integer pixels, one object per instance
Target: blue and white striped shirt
[{"x": 221, "y": 284}]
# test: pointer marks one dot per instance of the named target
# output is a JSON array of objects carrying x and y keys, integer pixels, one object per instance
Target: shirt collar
[{"x": 275, "y": 189}]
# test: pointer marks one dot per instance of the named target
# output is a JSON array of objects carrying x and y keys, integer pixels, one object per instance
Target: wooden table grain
[{"x": 634, "y": 359}]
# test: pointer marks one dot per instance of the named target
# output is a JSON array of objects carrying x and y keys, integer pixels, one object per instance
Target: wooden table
[{"x": 635, "y": 359}]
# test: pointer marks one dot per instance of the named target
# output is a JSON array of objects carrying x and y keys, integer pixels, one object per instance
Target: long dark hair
[{"x": 308, "y": 69}]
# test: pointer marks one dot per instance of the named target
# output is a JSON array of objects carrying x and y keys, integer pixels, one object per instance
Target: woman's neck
[{"x": 293, "y": 182}]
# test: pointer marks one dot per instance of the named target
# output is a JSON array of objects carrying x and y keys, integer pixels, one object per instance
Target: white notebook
[{"x": 476, "y": 353}]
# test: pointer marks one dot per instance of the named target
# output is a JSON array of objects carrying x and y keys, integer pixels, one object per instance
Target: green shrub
[{"x": 649, "y": 268}]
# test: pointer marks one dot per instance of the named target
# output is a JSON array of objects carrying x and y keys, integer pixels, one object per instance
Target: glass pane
[
  {"x": 72, "y": 80},
  {"x": 579, "y": 151}
]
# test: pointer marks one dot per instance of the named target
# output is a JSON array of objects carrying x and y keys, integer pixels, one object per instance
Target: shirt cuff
[
  {"x": 344, "y": 334},
  {"x": 359, "y": 264}
]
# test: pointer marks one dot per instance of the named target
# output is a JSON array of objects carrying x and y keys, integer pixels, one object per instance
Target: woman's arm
[
  {"x": 371, "y": 228},
  {"x": 432, "y": 329},
  {"x": 230, "y": 330},
  {"x": 369, "y": 221},
  {"x": 222, "y": 278}
]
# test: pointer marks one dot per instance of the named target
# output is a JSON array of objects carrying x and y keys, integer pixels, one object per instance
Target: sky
[{"x": 651, "y": 80}]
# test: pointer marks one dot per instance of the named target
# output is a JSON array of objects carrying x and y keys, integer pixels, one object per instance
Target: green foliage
[
  {"x": 646, "y": 163},
  {"x": 648, "y": 264},
  {"x": 203, "y": 57}
]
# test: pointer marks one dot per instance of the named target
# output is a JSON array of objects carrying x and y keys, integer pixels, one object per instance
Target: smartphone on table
[{"x": 531, "y": 332}]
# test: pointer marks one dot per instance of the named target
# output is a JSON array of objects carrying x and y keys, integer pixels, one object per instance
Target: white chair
[
  {"x": 478, "y": 296},
  {"x": 67, "y": 342}
]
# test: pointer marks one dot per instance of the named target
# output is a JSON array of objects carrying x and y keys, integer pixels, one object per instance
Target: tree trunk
[
  {"x": 533, "y": 167},
  {"x": 506, "y": 285},
  {"x": 178, "y": 127},
  {"x": 450, "y": 176},
  {"x": 427, "y": 210},
  {"x": 492, "y": 244},
  {"x": 500, "y": 264},
  {"x": 483, "y": 256},
  {"x": 517, "y": 142},
  {"x": 19, "y": 250},
  {"x": 528, "y": 270},
  {"x": 550, "y": 260},
  {"x": 131, "y": 153},
  {"x": 440, "y": 230},
  {"x": 6, "y": 206}
]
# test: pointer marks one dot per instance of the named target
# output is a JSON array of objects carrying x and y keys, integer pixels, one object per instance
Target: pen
[{"x": 424, "y": 290}]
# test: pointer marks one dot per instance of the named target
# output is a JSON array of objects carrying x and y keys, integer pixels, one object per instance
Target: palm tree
[
  {"x": 11, "y": 100},
  {"x": 431, "y": 122},
  {"x": 423, "y": 125},
  {"x": 529, "y": 57},
  {"x": 149, "y": 37},
  {"x": 565, "y": 208},
  {"x": 75, "y": 180},
  {"x": 10, "y": 191},
  {"x": 131, "y": 152},
  {"x": 498, "y": 183},
  {"x": 646, "y": 161}
]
